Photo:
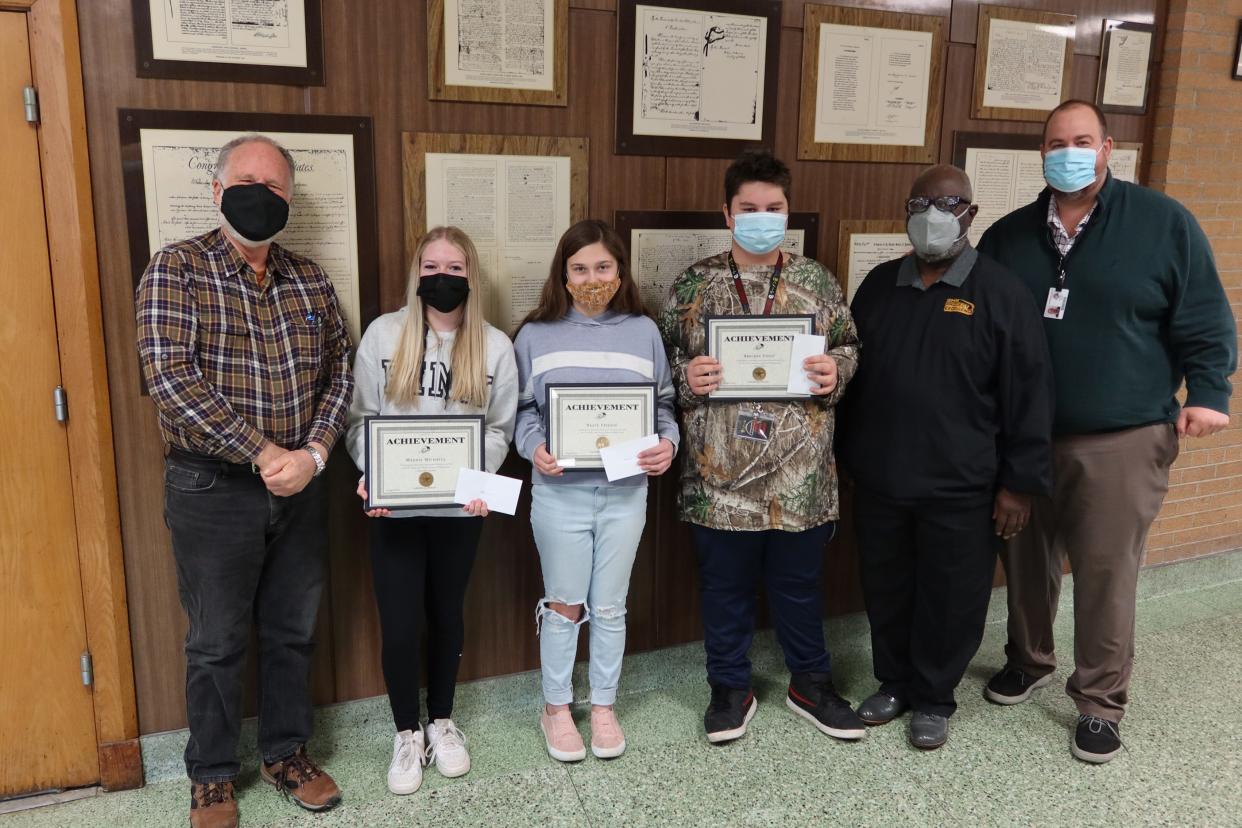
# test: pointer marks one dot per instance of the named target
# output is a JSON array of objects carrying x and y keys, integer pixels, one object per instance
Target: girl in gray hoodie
[
  {"x": 435, "y": 356},
  {"x": 589, "y": 328}
]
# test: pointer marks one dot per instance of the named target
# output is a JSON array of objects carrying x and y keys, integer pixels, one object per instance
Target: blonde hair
[{"x": 468, "y": 371}]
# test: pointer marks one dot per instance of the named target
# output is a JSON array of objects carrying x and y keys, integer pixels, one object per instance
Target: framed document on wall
[
  {"x": 696, "y": 77},
  {"x": 1125, "y": 66},
  {"x": 1007, "y": 171},
  {"x": 865, "y": 244},
  {"x": 248, "y": 41},
  {"x": 489, "y": 52},
  {"x": 871, "y": 85},
  {"x": 513, "y": 194},
  {"x": 1023, "y": 59},
  {"x": 169, "y": 159},
  {"x": 663, "y": 243}
]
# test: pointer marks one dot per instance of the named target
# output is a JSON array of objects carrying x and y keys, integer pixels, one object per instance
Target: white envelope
[
  {"x": 499, "y": 493},
  {"x": 621, "y": 461},
  {"x": 804, "y": 345}
]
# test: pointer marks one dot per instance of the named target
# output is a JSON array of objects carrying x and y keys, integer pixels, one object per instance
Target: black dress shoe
[
  {"x": 881, "y": 708},
  {"x": 928, "y": 731}
]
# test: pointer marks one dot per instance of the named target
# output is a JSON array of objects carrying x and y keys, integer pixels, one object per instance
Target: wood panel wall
[{"x": 375, "y": 62}]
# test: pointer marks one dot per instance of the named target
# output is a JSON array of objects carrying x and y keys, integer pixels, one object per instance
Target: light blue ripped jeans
[{"x": 587, "y": 538}]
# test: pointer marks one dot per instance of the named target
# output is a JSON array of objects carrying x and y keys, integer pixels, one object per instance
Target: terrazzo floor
[{"x": 1002, "y": 766}]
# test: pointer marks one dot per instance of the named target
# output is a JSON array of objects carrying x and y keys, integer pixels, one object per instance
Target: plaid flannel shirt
[{"x": 231, "y": 362}]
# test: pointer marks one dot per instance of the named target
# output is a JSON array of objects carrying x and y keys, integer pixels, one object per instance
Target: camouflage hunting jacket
[{"x": 788, "y": 482}]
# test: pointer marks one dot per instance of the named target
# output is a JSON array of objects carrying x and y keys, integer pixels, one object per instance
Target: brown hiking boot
[
  {"x": 212, "y": 805},
  {"x": 300, "y": 778}
]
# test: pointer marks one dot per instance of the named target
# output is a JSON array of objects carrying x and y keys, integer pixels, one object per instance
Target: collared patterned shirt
[
  {"x": 231, "y": 362},
  {"x": 789, "y": 480},
  {"x": 1064, "y": 241}
]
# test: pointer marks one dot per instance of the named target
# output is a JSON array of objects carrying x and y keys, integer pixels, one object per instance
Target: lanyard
[{"x": 741, "y": 290}]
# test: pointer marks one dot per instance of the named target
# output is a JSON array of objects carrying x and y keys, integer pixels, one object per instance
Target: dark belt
[{"x": 208, "y": 462}]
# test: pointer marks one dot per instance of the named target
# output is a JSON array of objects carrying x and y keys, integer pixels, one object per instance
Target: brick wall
[{"x": 1196, "y": 157}]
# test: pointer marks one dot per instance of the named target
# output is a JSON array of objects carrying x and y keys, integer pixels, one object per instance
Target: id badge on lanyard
[{"x": 755, "y": 425}]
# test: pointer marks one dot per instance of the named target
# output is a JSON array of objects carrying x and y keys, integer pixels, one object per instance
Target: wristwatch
[{"x": 317, "y": 457}]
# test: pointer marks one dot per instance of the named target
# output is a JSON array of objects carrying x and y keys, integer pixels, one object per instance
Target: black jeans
[
  {"x": 243, "y": 553},
  {"x": 422, "y": 564},
  {"x": 927, "y": 579},
  {"x": 730, "y": 567}
]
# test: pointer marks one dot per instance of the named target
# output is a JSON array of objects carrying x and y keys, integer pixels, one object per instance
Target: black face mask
[
  {"x": 443, "y": 291},
  {"x": 254, "y": 211}
]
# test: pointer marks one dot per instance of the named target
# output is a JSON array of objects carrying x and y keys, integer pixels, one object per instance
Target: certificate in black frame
[
  {"x": 595, "y": 464},
  {"x": 710, "y": 322},
  {"x": 417, "y": 421}
]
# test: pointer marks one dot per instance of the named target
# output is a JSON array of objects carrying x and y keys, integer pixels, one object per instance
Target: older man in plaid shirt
[{"x": 247, "y": 360}]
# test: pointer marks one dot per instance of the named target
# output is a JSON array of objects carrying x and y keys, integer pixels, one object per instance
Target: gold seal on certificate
[
  {"x": 584, "y": 418},
  {"x": 754, "y": 354},
  {"x": 413, "y": 462}
]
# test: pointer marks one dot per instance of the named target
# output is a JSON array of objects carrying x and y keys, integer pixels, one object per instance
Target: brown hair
[
  {"x": 1070, "y": 104},
  {"x": 555, "y": 301}
]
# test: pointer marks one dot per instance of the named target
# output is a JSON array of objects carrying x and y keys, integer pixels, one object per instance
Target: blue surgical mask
[
  {"x": 759, "y": 233},
  {"x": 1070, "y": 169},
  {"x": 933, "y": 233}
]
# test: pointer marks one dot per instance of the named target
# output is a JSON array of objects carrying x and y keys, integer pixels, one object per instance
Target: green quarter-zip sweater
[{"x": 1145, "y": 310}]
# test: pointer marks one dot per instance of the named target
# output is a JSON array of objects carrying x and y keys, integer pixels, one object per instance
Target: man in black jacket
[{"x": 947, "y": 435}]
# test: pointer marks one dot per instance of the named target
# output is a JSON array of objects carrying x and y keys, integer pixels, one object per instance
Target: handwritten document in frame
[
  {"x": 513, "y": 195},
  {"x": 1022, "y": 63},
  {"x": 870, "y": 85},
  {"x": 663, "y": 243},
  {"x": 261, "y": 41},
  {"x": 498, "y": 52},
  {"x": 1125, "y": 66},
  {"x": 696, "y": 77},
  {"x": 169, "y": 161}
]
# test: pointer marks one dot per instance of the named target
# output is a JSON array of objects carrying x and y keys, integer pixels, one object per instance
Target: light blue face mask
[
  {"x": 759, "y": 233},
  {"x": 1070, "y": 169}
]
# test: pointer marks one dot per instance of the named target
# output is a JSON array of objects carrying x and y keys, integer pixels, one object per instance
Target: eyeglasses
[{"x": 948, "y": 204}]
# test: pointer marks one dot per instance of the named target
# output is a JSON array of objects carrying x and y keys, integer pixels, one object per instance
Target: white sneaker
[
  {"x": 405, "y": 772},
  {"x": 446, "y": 746}
]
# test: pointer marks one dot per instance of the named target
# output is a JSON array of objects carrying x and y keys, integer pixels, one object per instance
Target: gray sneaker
[{"x": 928, "y": 731}]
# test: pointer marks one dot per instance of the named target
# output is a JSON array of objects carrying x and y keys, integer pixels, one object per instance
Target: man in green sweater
[{"x": 1132, "y": 306}]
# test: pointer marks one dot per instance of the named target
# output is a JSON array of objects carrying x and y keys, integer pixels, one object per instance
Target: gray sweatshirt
[
  {"x": 376, "y": 351},
  {"x": 611, "y": 347}
]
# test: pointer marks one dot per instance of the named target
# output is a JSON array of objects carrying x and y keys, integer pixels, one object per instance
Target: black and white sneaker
[
  {"x": 728, "y": 713},
  {"x": 1096, "y": 740},
  {"x": 812, "y": 696},
  {"x": 1012, "y": 686}
]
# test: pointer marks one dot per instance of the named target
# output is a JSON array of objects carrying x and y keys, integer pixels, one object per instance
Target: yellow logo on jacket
[{"x": 959, "y": 306}]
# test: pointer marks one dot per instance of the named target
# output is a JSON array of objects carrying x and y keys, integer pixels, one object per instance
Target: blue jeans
[{"x": 587, "y": 538}]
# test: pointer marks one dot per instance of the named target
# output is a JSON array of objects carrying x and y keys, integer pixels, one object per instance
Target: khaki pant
[{"x": 1107, "y": 491}]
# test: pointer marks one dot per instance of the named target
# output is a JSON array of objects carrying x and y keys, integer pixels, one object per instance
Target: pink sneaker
[
  {"x": 607, "y": 740},
  {"x": 559, "y": 731}
]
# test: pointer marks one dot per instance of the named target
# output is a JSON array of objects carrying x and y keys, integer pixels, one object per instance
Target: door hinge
[
  {"x": 60, "y": 404},
  {"x": 88, "y": 670},
  {"x": 30, "y": 99}
]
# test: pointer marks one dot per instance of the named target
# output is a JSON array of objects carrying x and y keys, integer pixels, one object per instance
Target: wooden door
[{"x": 47, "y": 723}]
